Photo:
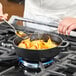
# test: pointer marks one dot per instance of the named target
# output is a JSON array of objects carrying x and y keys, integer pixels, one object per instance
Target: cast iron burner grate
[{"x": 7, "y": 52}]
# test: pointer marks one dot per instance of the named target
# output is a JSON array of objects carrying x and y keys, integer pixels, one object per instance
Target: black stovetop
[{"x": 64, "y": 65}]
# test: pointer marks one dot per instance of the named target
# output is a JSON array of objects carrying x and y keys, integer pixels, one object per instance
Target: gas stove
[{"x": 64, "y": 64}]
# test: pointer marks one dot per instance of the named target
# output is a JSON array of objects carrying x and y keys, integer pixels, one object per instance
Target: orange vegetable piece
[{"x": 37, "y": 44}]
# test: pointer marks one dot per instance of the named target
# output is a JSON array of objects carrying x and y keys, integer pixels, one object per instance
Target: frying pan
[{"x": 40, "y": 55}]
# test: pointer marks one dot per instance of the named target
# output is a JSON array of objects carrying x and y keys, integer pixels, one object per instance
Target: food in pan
[
  {"x": 37, "y": 44},
  {"x": 20, "y": 34}
]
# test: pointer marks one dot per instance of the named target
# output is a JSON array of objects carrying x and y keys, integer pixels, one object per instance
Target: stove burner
[{"x": 35, "y": 65}]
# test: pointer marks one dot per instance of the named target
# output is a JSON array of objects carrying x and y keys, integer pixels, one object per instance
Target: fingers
[
  {"x": 67, "y": 24},
  {"x": 66, "y": 29},
  {"x": 60, "y": 28},
  {"x": 1, "y": 13},
  {"x": 72, "y": 27},
  {"x": 5, "y": 16}
]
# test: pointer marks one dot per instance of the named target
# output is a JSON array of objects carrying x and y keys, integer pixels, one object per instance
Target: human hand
[
  {"x": 1, "y": 13},
  {"x": 67, "y": 25}
]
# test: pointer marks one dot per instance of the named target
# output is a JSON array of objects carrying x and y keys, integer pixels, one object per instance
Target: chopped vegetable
[{"x": 37, "y": 44}]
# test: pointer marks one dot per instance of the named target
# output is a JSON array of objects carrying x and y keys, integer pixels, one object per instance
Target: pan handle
[{"x": 64, "y": 44}]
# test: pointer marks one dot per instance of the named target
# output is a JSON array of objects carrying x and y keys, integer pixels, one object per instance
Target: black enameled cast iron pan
[{"x": 44, "y": 54}]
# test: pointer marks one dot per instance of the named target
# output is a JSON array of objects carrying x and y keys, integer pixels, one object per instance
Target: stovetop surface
[{"x": 64, "y": 65}]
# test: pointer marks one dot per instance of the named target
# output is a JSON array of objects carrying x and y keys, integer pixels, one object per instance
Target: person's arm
[
  {"x": 1, "y": 13},
  {"x": 67, "y": 25}
]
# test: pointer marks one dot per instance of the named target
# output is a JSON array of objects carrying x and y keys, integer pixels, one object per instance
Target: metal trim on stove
[{"x": 14, "y": 18}]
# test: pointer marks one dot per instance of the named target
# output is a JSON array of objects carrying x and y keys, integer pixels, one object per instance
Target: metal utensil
[{"x": 19, "y": 33}]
